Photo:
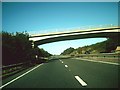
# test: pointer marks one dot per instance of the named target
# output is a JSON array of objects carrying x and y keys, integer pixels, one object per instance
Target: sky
[
  {"x": 45, "y": 17},
  {"x": 60, "y": 0}
]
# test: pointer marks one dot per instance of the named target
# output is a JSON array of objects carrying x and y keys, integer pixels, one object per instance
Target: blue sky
[{"x": 45, "y": 17}]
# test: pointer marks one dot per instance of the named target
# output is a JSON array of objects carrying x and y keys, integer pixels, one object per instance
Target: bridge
[
  {"x": 108, "y": 32},
  {"x": 66, "y": 71}
]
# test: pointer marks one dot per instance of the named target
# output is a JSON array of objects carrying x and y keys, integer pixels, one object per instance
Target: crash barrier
[
  {"x": 100, "y": 55},
  {"x": 15, "y": 68},
  {"x": 104, "y": 56}
]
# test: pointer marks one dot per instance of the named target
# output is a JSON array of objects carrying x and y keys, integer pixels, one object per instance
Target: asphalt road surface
[{"x": 66, "y": 73}]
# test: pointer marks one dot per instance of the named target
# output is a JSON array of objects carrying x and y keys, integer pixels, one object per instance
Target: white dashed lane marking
[
  {"x": 77, "y": 77},
  {"x": 66, "y": 65},
  {"x": 61, "y": 61},
  {"x": 80, "y": 81}
]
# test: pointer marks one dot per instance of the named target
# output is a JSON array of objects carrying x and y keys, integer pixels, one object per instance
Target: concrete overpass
[{"x": 109, "y": 32}]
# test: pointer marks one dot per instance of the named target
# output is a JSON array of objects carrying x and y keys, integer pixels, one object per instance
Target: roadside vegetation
[
  {"x": 16, "y": 48},
  {"x": 18, "y": 53},
  {"x": 108, "y": 46}
]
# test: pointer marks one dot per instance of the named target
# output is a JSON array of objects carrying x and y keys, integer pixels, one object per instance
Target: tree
[
  {"x": 68, "y": 51},
  {"x": 102, "y": 47},
  {"x": 17, "y": 48}
]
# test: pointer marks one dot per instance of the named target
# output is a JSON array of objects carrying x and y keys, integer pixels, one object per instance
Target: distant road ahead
[{"x": 67, "y": 73}]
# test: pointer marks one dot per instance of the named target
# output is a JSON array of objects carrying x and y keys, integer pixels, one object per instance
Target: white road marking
[
  {"x": 20, "y": 76},
  {"x": 80, "y": 81},
  {"x": 61, "y": 61},
  {"x": 98, "y": 61},
  {"x": 66, "y": 65}
]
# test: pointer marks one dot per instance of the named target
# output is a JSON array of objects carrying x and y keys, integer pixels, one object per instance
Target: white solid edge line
[
  {"x": 62, "y": 61},
  {"x": 80, "y": 81},
  {"x": 66, "y": 65},
  {"x": 100, "y": 61},
  {"x": 19, "y": 76}
]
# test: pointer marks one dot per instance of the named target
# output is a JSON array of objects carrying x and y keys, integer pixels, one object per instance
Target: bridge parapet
[{"x": 74, "y": 29}]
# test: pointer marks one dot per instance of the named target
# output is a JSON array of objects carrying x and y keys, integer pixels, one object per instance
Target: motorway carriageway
[{"x": 66, "y": 73}]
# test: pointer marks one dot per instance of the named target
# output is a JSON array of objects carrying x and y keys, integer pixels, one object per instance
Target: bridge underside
[{"x": 114, "y": 35}]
